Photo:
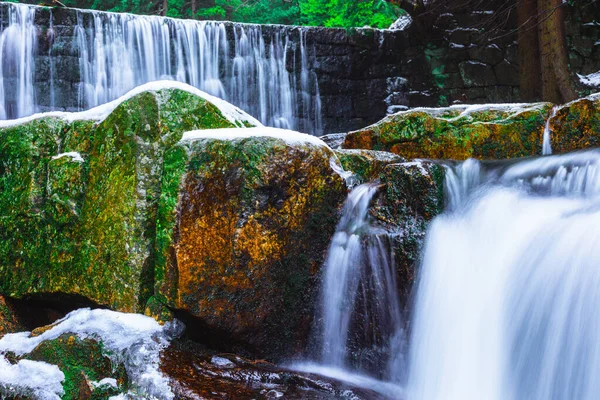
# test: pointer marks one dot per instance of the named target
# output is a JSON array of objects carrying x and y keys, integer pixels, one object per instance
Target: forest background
[{"x": 328, "y": 13}]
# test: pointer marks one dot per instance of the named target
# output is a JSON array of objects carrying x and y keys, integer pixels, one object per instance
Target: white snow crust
[{"x": 231, "y": 112}]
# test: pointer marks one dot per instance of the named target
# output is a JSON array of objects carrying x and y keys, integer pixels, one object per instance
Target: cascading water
[
  {"x": 243, "y": 64},
  {"x": 508, "y": 294},
  {"x": 547, "y": 145},
  {"x": 360, "y": 329},
  {"x": 17, "y": 45}
]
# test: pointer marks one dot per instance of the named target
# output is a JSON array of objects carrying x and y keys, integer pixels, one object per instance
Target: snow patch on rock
[
  {"x": 402, "y": 23},
  {"x": 592, "y": 80},
  {"x": 33, "y": 379},
  {"x": 291, "y": 138},
  {"x": 235, "y": 115},
  {"x": 132, "y": 339},
  {"x": 76, "y": 157}
]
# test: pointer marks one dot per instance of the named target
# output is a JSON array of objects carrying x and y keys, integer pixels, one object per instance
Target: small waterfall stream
[
  {"x": 547, "y": 145},
  {"x": 361, "y": 329},
  {"x": 508, "y": 294},
  {"x": 101, "y": 56}
]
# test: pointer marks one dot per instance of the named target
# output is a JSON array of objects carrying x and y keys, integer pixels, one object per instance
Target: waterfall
[
  {"x": 17, "y": 44},
  {"x": 247, "y": 65},
  {"x": 509, "y": 289},
  {"x": 360, "y": 333},
  {"x": 547, "y": 146}
]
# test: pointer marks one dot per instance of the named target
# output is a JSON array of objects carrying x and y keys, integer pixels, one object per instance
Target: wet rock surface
[
  {"x": 244, "y": 226},
  {"x": 413, "y": 195},
  {"x": 197, "y": 372},
  {"x": 366, "y": 165}
]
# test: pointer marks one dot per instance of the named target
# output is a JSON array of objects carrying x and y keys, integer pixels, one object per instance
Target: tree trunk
[
  {"x": 549, "y": 87},
  {"x": 529, "y": 54},
  {"x": 165, "y": 8},
  {"x": 560, "y": 55},
  {"x": 557, "y": 86},
  {"x": 193, "y": 8}
]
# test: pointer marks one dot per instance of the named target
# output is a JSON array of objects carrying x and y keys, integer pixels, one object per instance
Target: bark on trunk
[
  {"x": 549, "y": 87},
  {"x": 165, "y": 7},
  {"x": 193, "y": 8},
  {"x": 560, "y": 55},
  {"x": 529, "y": 54}
]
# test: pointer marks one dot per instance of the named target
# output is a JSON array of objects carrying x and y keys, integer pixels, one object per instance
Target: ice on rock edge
[
  {"x": 74, "y": 156},
  {"x": 132, "y": 339},
  {"x": 233, "y": 114},
  {"x": 110, "y": 382},
  {"x": 31, "y": 378}
]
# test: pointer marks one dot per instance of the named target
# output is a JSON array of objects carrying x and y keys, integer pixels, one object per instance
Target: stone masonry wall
[{"x": 364, "y": 74}]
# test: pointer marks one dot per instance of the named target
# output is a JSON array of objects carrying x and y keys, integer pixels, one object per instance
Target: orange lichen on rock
[
  {"x": 8, "y": 319},
  {"x": 253, "y": 219},
  {"x": 576, "y": 126}
]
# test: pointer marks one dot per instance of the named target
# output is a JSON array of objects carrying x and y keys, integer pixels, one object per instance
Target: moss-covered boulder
[
  {"x": 79, "y": 195},
  {"x": 576, "y": 125},
  {"x": 245, "y": 218},
  {"x": 85, "y": 366},
  {"x": 366, "y": 165},
  {"x": 413, "y": 196},
  {"x": 458, "y": 132}
]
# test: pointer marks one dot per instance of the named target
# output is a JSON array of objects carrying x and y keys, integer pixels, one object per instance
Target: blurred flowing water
[
  {"x": 359, "y": 328},
  {"x": 266, "y": 73},
  {"x": 509, "y": 289}
]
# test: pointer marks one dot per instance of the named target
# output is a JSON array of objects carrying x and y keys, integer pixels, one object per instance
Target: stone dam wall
[{"x": 362, "y": 74}]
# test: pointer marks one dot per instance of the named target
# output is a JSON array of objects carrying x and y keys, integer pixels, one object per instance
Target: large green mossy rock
[
  {"x": 78, "y": 199},
  {"x": 244, "y": 223},
  {"x": 576, "y": 125},
  {"x": 458, "y": 132}
]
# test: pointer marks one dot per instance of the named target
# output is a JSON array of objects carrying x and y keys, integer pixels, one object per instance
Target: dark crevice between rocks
[
  {"x": 199, "y": 332},
  {"x": 46, "y": 308},
  {"x": 147, "y": 279}
]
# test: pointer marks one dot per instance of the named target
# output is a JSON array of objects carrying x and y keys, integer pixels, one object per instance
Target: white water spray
[{"x": 509, "y": 289}]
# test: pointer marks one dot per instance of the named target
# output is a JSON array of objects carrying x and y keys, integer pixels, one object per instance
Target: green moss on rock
[
  {"x": 490, "y": 132},
  {"x": 576, "y": 125},
  {"x": 86, "y": 224},
  {"x": 82, "y": 362},
  {"x": 243, "y": 227},
  {"x": 8, "y": 320},
  {"x": 367, "y": 165}
]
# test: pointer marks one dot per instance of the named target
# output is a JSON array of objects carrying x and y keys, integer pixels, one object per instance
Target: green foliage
[
  {"x": 268, "y": 12},
  {"x": 346, "y": 14},
  {"x": 329, "y": 13}
]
